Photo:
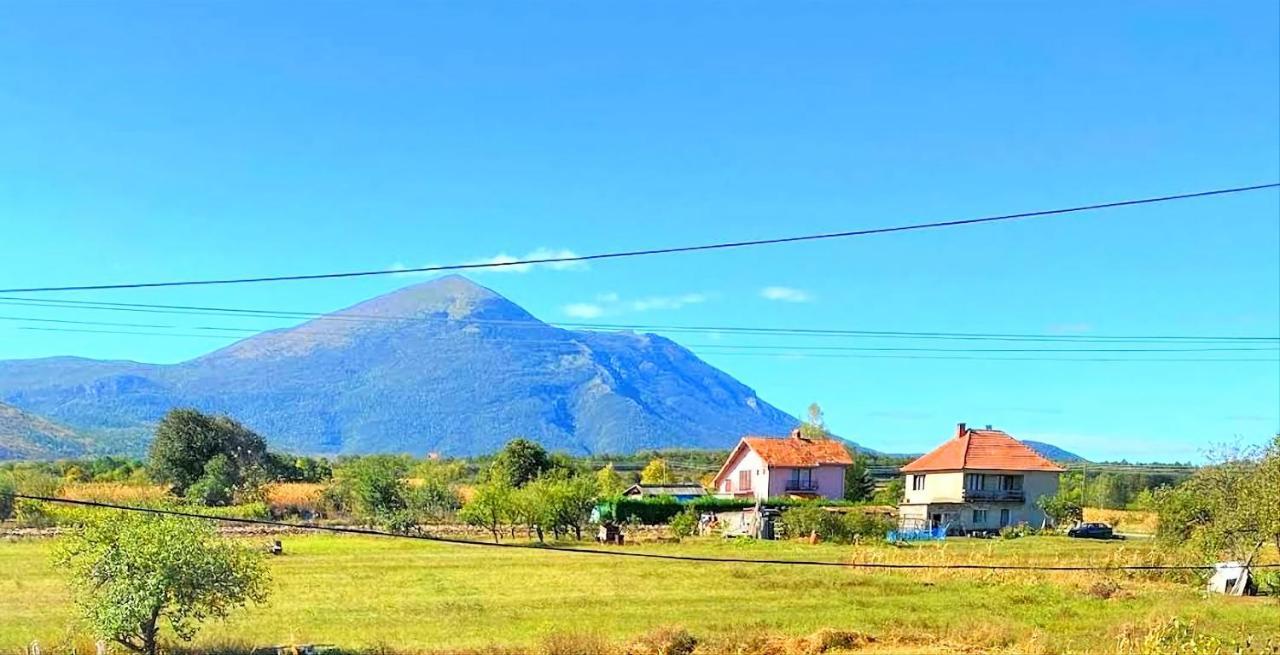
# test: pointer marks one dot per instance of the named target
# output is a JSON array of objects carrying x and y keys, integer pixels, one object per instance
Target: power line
[
  {"x": 785, "y": 354},
  {"x": 616, "y": 553},
  {"x": 713, "y": 329},
  {"x": 724, "y": 245}
]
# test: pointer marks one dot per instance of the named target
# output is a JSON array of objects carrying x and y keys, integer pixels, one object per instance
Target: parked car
[{"x": 1093, "y": 531}]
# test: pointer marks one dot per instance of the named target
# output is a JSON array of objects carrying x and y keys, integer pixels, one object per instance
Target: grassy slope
[{"x": 366, "y": 591}]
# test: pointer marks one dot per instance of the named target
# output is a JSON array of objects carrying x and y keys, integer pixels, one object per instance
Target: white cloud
[
  {"x": 786, "y": 294},
  {"x": 537, "y": 253},
  {"x": 583, "y": 310},
  {"x": 612, "y": 304},
  {"x": 666, "y": 302}
]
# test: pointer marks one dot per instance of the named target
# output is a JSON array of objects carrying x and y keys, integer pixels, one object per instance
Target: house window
[
  {"x": 917, "y": 483},
  {"x": 744, "y": 480},
  {"x": 1011, "y": 483},
  {"x": 728, "y": 485},
  {"x": 979, "y": 517},
  {"x": 800, "y": 479},
  {"x": 973, "y": 481}
]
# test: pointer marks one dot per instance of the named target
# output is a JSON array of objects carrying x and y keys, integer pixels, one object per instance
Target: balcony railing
[
  {"x": 802, "y": 485},
  {"x": 995, "y": 495}
]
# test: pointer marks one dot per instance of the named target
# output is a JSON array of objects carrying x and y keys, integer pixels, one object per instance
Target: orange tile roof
[
  {"x": 791, "y": 452},
  {"x": 991, "y": 450}
]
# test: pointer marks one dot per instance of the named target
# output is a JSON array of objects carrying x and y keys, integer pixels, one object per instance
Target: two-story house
[
  {"x": 771, "y": 467},
  {"x": 977, "y": 480}
]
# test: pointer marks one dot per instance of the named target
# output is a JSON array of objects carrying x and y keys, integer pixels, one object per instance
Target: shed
[{"x": 681, "y": 492}]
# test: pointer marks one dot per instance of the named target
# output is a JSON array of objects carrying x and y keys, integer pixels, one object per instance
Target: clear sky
[{"x": 209, "y": 139}]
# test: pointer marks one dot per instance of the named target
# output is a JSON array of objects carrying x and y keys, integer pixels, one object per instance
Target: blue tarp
[{"x": 919, "y": 534}]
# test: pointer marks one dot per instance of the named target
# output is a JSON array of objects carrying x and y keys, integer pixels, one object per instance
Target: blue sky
[{"x": 188, "y": 140}]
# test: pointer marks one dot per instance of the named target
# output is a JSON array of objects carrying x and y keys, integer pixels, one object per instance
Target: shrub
[
  {"x": 684, "y": 524},
  {"x": 663, "y": 641},
  {"x": 799, "y": 522},
  {"x": 6, "y": 498}
]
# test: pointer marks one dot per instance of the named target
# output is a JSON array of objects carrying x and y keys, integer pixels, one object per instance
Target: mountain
[
  {"x": 444, "y": 366},
  {"x": 1053, "y": 453},
  {"x": 27, "y": 436}
]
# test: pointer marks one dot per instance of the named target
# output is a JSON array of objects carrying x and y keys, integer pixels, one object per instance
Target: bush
[
  {"x": 684, "y": 524},
  {"x": 6, "y": 498},
  {"x": 658, "y": 510},
  {"x": 799, "y": 522},
  {"x": 663, "y": 641}
]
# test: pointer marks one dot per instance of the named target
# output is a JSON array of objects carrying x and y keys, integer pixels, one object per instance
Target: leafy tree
[
  {"x": 7, "y": 490},
  {"x": 815, "y": 427},
  {"x": 490, "y": 505},
  {"x": 891, "y": 494},
  {"x": 657, "y": 472},
  {"x": 187, "y": 440},
  {"x": 1060, "y": 508},
  {"x": 609, "y": 482},
  {"x": 218, "y": 483},
  {"x": 132, "y": 572},
  {"x": 520, "y": 461},
  {"x": 376, "y": 490},
  {"x": 858, "y": 484}
]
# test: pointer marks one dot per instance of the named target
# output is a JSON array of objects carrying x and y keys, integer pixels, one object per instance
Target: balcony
[
  {"x": 995, "y": 495},
  {"x": 802, "y": 485}
]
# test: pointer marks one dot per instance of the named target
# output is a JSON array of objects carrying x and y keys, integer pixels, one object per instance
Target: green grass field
[{"x": 408, "y": 595}]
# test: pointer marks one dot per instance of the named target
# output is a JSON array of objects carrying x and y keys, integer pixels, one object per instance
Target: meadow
[{"x": 413, "y": 596}]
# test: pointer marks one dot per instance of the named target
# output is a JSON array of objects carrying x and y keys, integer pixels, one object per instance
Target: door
[
  {"x": 1004, "y": 517},
  {"x": 937, "y": 521}
]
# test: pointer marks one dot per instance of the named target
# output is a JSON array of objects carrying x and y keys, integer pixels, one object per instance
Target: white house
[
  {"x": 771, "y": 467},
  {"x": 977, "y": 480}
]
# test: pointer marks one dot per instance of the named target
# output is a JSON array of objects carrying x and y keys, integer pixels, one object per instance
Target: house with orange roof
[
  {"x": 977, "y": 480},
  {"x": 772, "y": 467}
]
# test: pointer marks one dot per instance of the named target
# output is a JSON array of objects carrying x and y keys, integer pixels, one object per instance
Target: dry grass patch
[{"x": 114, "y": 492}]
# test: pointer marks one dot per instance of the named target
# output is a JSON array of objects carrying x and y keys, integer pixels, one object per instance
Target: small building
[
  {"x": 770, "y": 467},
  {"x": 680, "y": 491},
  {"x": 977, "y": 480},
  {"x": 1231, "y": 578}
]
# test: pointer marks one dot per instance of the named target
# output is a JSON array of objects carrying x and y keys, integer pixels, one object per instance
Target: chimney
[
  {"x": 797, "y": 434},
  {"x": 960, "y": 430}
]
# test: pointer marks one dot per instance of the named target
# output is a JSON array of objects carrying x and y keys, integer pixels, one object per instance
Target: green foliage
[
  {"x": 891, "y": 494},
  {"x": 132, "y": 572},
  {"x": 840, "y": 527},
  {"x": 1061, "y": 509},
  {"x": 1228, "y": 509},
  {"x": 34, "y": 482},
  {"x": 217, "y": 485},
  {"x": 683, "y": 524},
  {"x": 858, "y": 485},
  {"x": 374, "y": 491},
  {"x": 187, "y": 442},
  {"x": 657, "y": 472},
  {"x": 490, "y": 506},
  {"x": 815, "y": 427},
  {"x": 520, "y": 461},
  {"x": 7, "y": 489},
  {"x": 609, "y": 482}
]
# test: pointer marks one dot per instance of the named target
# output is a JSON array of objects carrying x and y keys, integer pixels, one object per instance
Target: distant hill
[
  {"x": 1052, "y": 452},
  {"x": 444, "y": 366},
  {"x": 27, "y": 436}
]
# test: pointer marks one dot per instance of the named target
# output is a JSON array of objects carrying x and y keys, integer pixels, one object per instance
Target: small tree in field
[
  {"x": 657, "y": 472},
  {"x": 133, "y": 572},
  {"x": 491, "y": 505},
  {"x": 609, "y": 482}
]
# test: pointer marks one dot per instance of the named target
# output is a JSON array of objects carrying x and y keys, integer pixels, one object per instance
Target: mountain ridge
[{"x": 444, "y": 366}]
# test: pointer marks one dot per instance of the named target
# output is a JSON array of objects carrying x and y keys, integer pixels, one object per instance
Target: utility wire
[
  {"x": 714, "y": 329},
  {"x": 787, "y": 354},
  {"x": 617, "y": 553},
  {"x": 656, "y": 251}
]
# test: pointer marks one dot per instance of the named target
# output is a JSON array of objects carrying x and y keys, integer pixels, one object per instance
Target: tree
[
  {"x": 891, "y": 494},
  {"x": 186, "y": 441},
  {"x": 609, "y": 482},
  {"x": 683, "y": 524},
  {"x": 131, "y": 572},
  {"x": 490, "y": 506},
  {"x": 520, "y": 461},
  {"x": 376, "y": 490},
  {"x": 816, "y": 426},
  {"x": 6, "y": 498},
  {"x": 657, "y": 472},
  {"x": 1061, "y": 508},
  {"x": 858, "y": 484}
]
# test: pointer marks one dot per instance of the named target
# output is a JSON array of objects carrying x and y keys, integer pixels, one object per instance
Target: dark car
[{"x": 1092, "y": 531}]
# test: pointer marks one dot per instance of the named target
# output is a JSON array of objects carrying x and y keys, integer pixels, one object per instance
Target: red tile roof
[
  {"x": 790, "y": 452},
  {"x": 990, "y": 450}
]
